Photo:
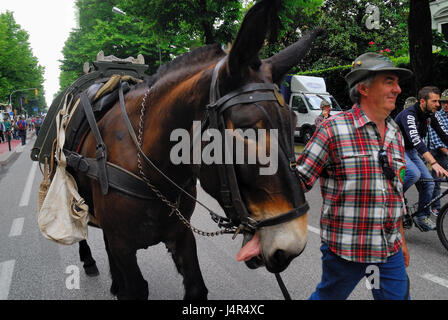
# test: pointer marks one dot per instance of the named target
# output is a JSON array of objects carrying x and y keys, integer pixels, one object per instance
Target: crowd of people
[{"x": 18, "y": 127}]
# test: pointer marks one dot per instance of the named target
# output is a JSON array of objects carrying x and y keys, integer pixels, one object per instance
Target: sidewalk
[
  {"x": 4, "y": 146},
  {"x": 5, "y": 154}
]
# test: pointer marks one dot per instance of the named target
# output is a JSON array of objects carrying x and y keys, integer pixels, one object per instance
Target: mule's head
[{"x": 262, "y": 149}]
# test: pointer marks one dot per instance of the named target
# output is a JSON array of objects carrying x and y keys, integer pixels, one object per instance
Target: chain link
[{"x": 174, "y": 207}]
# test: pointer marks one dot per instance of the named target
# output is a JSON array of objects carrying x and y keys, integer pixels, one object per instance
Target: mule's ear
[
  {"x": 251, "y": 36},
  {"x": 283, "y": 61}
]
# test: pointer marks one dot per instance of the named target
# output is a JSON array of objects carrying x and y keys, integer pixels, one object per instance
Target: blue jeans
[
  {"x": 441, "y": 159},
  {"x": 416, "y": 169},
  {"x": 340, "y": 277},
  {"x": 22, "y": 135}
]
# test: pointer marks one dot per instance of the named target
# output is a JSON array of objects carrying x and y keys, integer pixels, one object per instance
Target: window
[
  {"x": 298, "y": 105},
  {"x": 445, "y": 30}
]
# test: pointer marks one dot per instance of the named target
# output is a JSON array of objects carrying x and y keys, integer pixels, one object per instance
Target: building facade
[{"x": 439, "y": 13}]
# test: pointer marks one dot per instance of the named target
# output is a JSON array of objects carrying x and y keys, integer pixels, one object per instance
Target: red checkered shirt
[{"x": 361, "y": 209}]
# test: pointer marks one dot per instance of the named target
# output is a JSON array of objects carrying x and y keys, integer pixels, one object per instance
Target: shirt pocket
[{"x": 354, "y": 165}]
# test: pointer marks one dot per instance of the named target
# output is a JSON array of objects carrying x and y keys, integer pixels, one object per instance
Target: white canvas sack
[{"x": 63, "y": 216}]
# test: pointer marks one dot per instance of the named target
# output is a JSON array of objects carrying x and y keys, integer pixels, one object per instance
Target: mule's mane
[{"x": 190, "y": 62}]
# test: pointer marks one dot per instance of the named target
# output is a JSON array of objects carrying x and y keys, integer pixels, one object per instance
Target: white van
[{"x": 304, "y": 95}]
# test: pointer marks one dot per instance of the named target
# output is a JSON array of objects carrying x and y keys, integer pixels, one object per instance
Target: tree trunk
[
  {"x": 420, "y": 42},
  {"x": 206, "y": 24}
]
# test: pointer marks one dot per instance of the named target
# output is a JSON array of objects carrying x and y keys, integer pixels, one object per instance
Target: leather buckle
[{"x": 100, "y": 151}]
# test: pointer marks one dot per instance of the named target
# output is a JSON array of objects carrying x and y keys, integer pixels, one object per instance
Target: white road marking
[
  {"x": 313, "y": 229},
  {"x": 436, "y": 279},
  {"x": 29, "y": 184},
  {"x": 19, "y": 149},
  {"x": 16, "y": 227},
  {"x": 6, "y": 272}
]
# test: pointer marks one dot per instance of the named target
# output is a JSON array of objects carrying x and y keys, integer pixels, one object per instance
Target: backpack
[{"x": 21, "y": 125}]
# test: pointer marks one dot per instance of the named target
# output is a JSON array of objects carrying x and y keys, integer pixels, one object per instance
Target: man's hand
[
  {"x": 439, "y": 170},
  {"x": 406, "y": 255},
  {"x": 404, "y": 247}
]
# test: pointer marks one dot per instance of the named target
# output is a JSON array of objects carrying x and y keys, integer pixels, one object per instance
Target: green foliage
[
  {"x": 438, "y": 40},
  {"x": 19, "y": 69},
  {"x": 163, "y": 29},
  {"x": 157, "y": 29},
  {"x": 348, "y": 35}
]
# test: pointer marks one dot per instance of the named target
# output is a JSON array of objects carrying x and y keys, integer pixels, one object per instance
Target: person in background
[
  {"x": 325, "y": 114},
  {"x": 21, "y": 126},
  {"x": 410, "y": 101},
  {"x": 2, "y": 130},
  {"x": 413, "y": 123},
  {"x": 438, "y": 149},
  {"x": 8, "y": 131},
  {"x": 37, "y": 124},
  {"x": 15, "y": 130}
]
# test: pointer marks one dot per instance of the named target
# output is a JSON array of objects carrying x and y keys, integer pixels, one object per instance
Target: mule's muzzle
[
  {"x": 280, "y": 260},
  {"x": 255, "y": 262}
]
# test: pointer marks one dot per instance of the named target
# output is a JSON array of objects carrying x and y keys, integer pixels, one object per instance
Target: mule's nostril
[{"x": 280, "y": 257}]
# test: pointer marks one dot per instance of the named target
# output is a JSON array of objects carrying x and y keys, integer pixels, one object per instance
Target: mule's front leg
[
  {"x": 184, "y": 253},
  {"x": 131, "y": 284}
]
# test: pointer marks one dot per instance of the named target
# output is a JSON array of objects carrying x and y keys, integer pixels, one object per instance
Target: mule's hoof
[{"x": 91, "y": 270}]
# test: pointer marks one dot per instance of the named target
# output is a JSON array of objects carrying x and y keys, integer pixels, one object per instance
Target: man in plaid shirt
[
  {"x": 359, "y": 157},
  {"x": 437, "y": 148}
]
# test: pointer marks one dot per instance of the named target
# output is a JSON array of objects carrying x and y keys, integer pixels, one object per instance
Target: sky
[{"x": 48, "y": 23}]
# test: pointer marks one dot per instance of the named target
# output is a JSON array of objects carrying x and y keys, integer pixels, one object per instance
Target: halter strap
[{"x": 229, "y": 190}]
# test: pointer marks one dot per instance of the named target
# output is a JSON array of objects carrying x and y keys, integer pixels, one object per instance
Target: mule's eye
[{"x": 252, "y": 126}]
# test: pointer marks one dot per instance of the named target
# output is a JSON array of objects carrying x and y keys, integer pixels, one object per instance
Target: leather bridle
[{"x": 229, "y": 192}]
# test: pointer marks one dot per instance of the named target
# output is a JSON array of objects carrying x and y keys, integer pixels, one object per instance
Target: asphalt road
[{"x": 32, "y": 267}]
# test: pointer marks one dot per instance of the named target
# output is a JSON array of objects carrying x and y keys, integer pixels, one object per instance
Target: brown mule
[{"x": 181, "y": 95}]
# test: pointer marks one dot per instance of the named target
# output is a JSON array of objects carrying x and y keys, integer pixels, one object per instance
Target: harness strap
[
  {"x": 282, "y": 286},
  {"x": 244, "y": 89},
  {"x": 229, "y": 190},
  {"x": 101, "y": 153},
  {"x": 247, "y": 98},
  {"x": 118, "y": 177},
  {"x": 295, "y": 213}
]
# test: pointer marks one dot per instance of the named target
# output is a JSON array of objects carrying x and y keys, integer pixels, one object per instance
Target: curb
[{"x": 6, "y": 157}]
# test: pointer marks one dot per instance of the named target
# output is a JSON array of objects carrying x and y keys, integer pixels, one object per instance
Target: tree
[
  {"x": 158, "y": 29},
  {"x": 420, "y": 42},
  {"x": 19, "y": 69},
  {"x": 349, "y": 30}
]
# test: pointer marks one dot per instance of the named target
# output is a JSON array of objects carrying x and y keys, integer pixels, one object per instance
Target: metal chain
[{"x": 174, "y": 207}]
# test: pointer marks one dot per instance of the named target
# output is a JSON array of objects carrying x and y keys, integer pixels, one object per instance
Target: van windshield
[{"x": 314, "y": 101}]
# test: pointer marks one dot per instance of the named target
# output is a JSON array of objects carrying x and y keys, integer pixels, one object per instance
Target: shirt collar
[{"x": 361, "y": 120}]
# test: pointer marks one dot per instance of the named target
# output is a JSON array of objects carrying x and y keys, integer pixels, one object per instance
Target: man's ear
[
  {"x": 362, "y": 89},
  {"x": 422, "y": 102}
]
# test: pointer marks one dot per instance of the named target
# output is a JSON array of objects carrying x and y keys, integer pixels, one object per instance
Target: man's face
[
  {"x": 432, "y": 103},
  {"x": 383, "y": 92},
  {"x": 326, "y": 110}
]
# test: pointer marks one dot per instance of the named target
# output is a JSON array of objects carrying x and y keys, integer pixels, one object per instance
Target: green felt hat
[{"x": 369, "y": 63}]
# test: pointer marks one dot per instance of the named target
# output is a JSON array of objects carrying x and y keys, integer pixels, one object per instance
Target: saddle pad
[{"x": 103, "y": 71}]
